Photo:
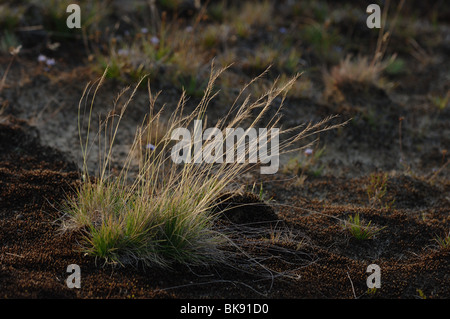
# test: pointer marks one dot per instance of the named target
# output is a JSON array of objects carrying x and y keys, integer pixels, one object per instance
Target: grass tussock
[
  {"x": 444, "y": 241},
  {"x": 359, "y": 230},
  {"x": 361, "y": 71},
  {"x": 354, "y": 71},
  {"x": 163, "y": 213}
]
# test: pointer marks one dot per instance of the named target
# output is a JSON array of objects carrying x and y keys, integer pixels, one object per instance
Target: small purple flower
[
  {"x": 123, "y": 52},
  {"x": 50, "y": 62},
  {"x": 308, "y": 151},
  {"x": 42, "y": 58},
  {"x": 144, "y": 30},
  {"x": 154, "y": 40},
  {"x": 151, "y": 147},
  {"x": 282, "y": 30}
]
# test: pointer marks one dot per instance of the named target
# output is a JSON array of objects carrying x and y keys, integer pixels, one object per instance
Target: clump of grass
[
  {"x": 168, "y": 53},
  {"x": 441, "y": 102},
  {"x": 153, "y": 219},
  {"x": 377, "y": 189},
  {"x": 443, "y": 242},
  {"x": 214, "y": 35},
  {"x": 279, "y": 236},
  {"x": 358, "y": 230},
  {"x": 8, "y": 41},
  {"x": 262, "y": 196},
  {"x": 362, "y": 70},
  {"x": 249, "y": 15},
  {"x": 259, "y": 60},
  {"x": 163, "y": 213},
  {"x": 359, "y": 70}
]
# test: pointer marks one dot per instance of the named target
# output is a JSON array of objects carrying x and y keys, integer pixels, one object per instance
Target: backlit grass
[
  {"x": 359, "y": 230},
  {"x": 163, "y": 214}
]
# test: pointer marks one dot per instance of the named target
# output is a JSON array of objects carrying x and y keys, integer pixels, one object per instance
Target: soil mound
[{"x": 246, "y": 209}]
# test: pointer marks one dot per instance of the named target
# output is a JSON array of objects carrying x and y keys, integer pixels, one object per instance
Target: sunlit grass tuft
[
  {"x": 359, "y": 230},
  {"x": 354, "y": 71},
  {"x": 163, "y": 213},
  {"x": 443, "y": 242}
]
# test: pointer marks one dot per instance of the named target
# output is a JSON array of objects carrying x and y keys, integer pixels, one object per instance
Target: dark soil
[{"x": 245, "y": 209}]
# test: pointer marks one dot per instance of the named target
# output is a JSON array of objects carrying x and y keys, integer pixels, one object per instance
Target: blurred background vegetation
[{"x": 175, "y": 40}]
